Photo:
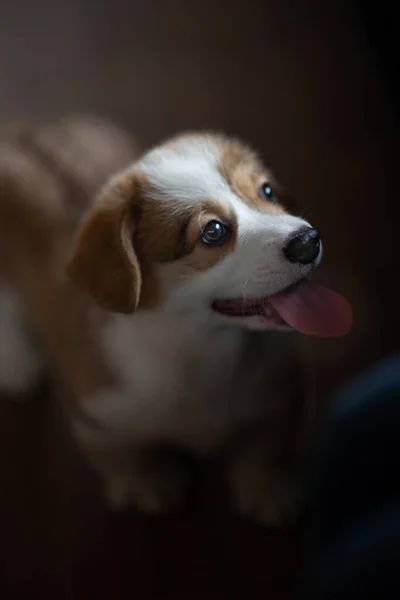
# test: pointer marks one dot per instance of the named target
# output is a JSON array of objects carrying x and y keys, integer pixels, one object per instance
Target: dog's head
[{"x": 199, "y": 224}]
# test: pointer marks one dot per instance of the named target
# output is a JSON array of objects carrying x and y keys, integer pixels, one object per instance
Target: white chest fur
[{"x": 180, "y": 381}]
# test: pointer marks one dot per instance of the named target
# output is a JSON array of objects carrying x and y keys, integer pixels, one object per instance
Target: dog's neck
[
  {"x": 159, "y": 330},
  {"x": 153, "y": 344}
]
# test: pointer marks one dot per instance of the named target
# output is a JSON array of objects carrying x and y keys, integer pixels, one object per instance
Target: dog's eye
[
  {"x": 267, "y": 193},
  {"x": 214, "y": 233}
]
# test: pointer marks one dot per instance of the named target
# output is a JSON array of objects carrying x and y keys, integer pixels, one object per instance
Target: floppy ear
[{"x": 104, "y": 262}]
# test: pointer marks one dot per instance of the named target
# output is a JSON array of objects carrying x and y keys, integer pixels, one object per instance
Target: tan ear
[{"x": 104, "y": 262}]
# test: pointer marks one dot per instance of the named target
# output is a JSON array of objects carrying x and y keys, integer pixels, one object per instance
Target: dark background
[{"x": 308, "y": 83}]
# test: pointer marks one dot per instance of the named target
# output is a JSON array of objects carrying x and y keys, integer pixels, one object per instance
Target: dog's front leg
[
  {"x": 147, "y": 477},
  {"x": 263, "y": 483}
]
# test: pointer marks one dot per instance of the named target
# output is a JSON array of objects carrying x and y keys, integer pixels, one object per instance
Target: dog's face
[{"x": 198, "y": 224}]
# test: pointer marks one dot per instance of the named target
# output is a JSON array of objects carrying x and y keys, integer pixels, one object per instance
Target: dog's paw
[
  {"x": 271, "y": 498},
  {"x": 157, "y": 489}
]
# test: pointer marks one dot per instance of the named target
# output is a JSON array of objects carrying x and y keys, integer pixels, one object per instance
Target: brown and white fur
[{"x": 116, "y": 294}]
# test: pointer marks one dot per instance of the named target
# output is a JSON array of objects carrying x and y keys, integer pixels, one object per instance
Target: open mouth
[{"x": 307, "y": 307}]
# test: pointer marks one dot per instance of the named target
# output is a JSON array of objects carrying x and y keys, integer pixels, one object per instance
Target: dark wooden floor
[{"x": 294, "y": 78}]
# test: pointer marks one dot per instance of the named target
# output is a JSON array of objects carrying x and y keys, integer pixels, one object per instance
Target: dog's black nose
[{"x": 303, "y": 246}]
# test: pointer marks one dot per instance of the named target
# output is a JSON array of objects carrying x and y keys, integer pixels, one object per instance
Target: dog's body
[{"x": 147, "y": 362}]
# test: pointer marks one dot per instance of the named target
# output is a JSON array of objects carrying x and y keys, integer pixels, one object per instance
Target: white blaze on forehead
[{"x": 188, "y": 172}]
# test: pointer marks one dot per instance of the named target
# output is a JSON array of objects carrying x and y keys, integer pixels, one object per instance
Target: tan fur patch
[
  {"x": 168, "y": 233},
  {"x": 37, "y": 219},
  {"x": 245, "y": 174},
  {"x": 104, "y": 263},
  {"x": 168, "y": 239}
]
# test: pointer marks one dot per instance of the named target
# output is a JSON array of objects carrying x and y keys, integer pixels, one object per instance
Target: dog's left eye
[
  {"x": 267, "y": 193},
  {"x": 214, "y": 233}
]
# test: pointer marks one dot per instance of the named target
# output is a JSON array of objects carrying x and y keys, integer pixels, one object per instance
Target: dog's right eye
[
  {"x": 266, "y": 193},
  {"x": 215, "y": 233}
]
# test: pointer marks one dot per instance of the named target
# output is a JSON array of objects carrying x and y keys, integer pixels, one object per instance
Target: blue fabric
[
  {"x": 353, "y": 532},
  {"x": 381, "y": 381}
]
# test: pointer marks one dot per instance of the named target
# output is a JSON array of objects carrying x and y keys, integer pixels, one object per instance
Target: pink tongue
[{"x": 314, "y": 310}]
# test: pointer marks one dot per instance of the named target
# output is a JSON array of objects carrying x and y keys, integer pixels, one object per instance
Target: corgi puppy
[{"x": 172, "y": 305}]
